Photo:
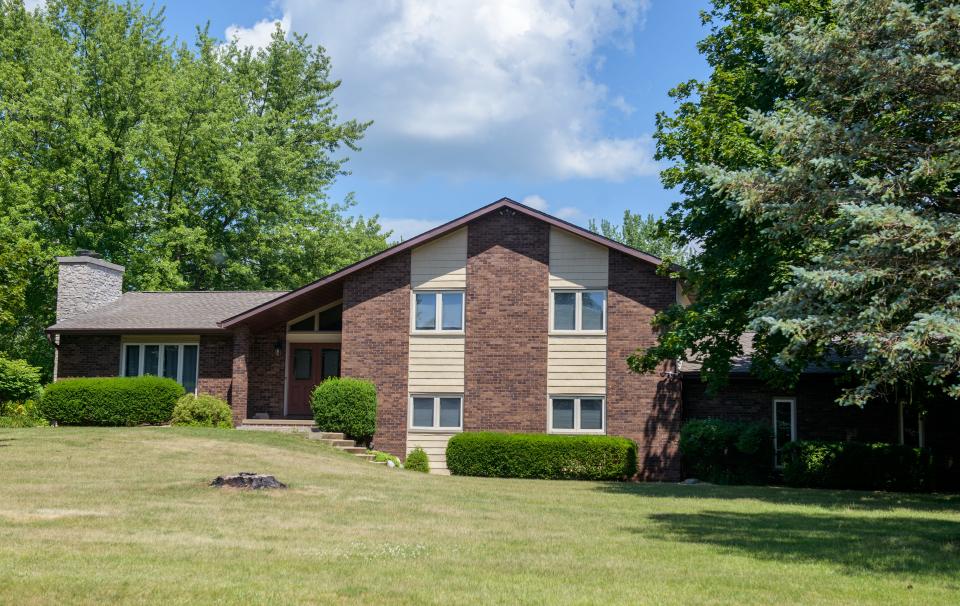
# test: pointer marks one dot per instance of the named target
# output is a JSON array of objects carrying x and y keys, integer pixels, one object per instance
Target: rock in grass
[{"x": 246, "y": 479}]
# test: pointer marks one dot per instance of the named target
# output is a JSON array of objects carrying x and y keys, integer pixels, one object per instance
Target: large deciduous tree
[
  {"x": 198, "y": 167},
  {"x": 645, "y": 233}
]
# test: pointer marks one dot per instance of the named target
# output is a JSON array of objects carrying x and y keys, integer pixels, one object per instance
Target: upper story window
[
  {"x": 177, "y": 361},
  {"x": 438, "y": 310},
  {"x": 578, "y": 310}
]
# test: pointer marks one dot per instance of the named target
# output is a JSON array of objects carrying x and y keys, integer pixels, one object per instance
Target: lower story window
[
  {"x": 177, "y": 361},
  {"x": 784, "y": 424},
  {"x": 578, "y": 414},
  {"x": 436, "y": 412}
]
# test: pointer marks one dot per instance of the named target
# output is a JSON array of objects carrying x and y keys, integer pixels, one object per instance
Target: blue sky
[{"x": 548, "y": 102}]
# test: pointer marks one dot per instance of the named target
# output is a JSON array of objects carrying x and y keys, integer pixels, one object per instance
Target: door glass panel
[
  {"x": 132, "y": 364},
  {"x": 452, "y": 311},
  {"x": 563, "y": 413},
  {"x": 188, "y": 377},
  {"x": 171, "y": 361},
  {"x": 449, "y": 412},
  {"x": 564, "y": 310},
  {"x": 331, "y": 363},
  {"x": 302, "y": 363},
  {"x": 591, "y": 413},
  {"x": 151, "y": 360},
  {"x": 591, "y": 315},
  {"x": 423, "y": 412},
  {"x": 426, "y": 311}
]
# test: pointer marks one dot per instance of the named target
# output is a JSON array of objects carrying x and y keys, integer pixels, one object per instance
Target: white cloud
[
  {"x": 620, "y": 103},
  {"x": 535, "y": 201},
  {"x": 463, "y": 89},
  {"x": 32, "y": 4},
  {"x": 404, "y": 229},
  {"x": 569, "y": 213},
  {"x": 258, "y": 36}
]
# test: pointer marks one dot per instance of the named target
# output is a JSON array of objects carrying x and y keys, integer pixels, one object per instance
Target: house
[{"x": 506, "y": 319}]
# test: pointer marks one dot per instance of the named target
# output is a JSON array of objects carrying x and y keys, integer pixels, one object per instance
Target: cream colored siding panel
[
  {"x": 436, "y": 364},
  {"x": 577, "y": 365},
  {"x": 441, "y": 263},
  {"x": 575, "y": 262},
  {"x": 434, "y": 443}
]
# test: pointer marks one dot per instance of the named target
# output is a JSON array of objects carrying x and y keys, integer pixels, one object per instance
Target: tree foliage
[
  {"x": 200, "y": 167},
  {"x": 642, "y": 233}
]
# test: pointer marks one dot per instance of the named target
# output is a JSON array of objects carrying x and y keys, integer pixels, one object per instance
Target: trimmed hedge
[
  {"x": 346, "y": 405},
  {"x": 18, "y": 380},
  {"x": 417, "y": 461},
  {"x": 727, "y": 452},
  {"x": 858, "y": 466},
  {"x": 541, "y": 456},
  {"x": 202, "y": 411},
  {"x": 114, "y": 401}
]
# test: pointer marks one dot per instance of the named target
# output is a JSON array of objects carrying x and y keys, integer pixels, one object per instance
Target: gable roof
[
  {"x": 330, "y": 282},
  {"x": 161, "y": 312}
]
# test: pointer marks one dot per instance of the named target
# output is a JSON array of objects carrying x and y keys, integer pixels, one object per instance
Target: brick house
[{"x": 505, "y": 319}]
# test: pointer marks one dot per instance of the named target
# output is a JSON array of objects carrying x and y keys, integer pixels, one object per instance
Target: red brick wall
[
  {"x": 88, "y": 356},
  {"x": 266, "y": 372},
  {"x": 818, "y": 415},
  {"x": 507, "y": 316},
  {"x": 215, "y": 365},
  {"x": 645, "y": 408},
  {"x": 239, "y": 386},
  {"x": 376, "y": 333}
]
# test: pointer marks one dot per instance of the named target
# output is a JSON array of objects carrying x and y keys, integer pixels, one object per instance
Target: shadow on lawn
[
  {"x": 918, "y": 546},
  {"x": 780, "y": 495}
]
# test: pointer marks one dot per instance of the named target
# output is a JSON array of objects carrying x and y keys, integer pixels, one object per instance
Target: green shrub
[
  {"x": 202, "y": 411},
  {"x": 858, "y": 466},
  {"x": 727, "y": 452},
  {"x": 417, "y": 461},
  {"x": 381, "y": 457},
  {"x": 18, "y": 380},
  {"x": 115, "y": 401},
  {"x": 346, "y": 405},
  {"x": 21, "y": 414},
  {"x": 543, "y": 456}
]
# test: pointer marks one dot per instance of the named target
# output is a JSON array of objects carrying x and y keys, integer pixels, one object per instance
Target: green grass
[{"x": 97, "y": 516}]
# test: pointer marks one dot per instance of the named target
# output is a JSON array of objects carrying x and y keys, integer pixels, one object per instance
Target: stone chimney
[{"x": 86, "y": 282}]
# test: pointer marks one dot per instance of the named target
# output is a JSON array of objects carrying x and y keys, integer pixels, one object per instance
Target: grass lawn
[{"x": 95, "y": 516}]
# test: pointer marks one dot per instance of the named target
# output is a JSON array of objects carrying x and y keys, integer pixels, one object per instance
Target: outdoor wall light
[{"x": 278, "y": 347}]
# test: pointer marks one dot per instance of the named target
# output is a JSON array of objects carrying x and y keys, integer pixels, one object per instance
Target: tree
[
  {"x": 867, "y": 172},
  {"x": 737, "y": 263},
  {"x": 643, "y": 233},
  {"x": 202, "y": 167}
]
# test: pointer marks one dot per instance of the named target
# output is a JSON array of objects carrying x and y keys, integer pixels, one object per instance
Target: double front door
[{"x": 309, "y": 364}]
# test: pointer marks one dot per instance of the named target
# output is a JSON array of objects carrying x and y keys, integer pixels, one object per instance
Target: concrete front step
[
  {"x": 287, "y": 425},
  {"x": 316, "y": 434}
]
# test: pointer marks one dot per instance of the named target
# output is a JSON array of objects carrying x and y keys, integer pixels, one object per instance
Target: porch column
[{"x": 238, "y": 385}]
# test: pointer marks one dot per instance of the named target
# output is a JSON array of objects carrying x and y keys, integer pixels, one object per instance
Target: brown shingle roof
[{"x": 190, "y": 311}]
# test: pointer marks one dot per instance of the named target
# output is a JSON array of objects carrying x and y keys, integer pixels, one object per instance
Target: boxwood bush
[
  {"x": 727, "y": 452},
  {"x": 18, "y": 380},
  {"x": 543, "y": 456},
  {"x": 417, "y": 461},
  {"x": 116, "y": 401},
  {"x": 859, "y": 466},
  {"x": 346, "y": 405},
  {"x": 202, "y": 411}
]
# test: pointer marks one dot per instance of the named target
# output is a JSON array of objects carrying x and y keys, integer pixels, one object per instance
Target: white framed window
[
  {"x": 438, "y": 311},
  {"x": 582, "y": 311},
  {"x": 577, "y": 414},
  {"x": 784, "y": 424},
  {"x": 436, "y": 411},
  {"x": 177, "y": 361}
]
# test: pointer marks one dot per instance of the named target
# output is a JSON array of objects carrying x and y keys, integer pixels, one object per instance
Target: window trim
[
  {"x": 161, "y": 360},
  {"x": 793, "y": 424},
  {"x": 438, "y": 318},
  {"x": 436, "y": 413},
  {"x": 576, "y": 414},
  {"x": 578, "y": 312}
]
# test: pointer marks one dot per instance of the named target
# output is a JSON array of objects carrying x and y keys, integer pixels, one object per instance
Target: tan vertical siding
[
  {"x": 433, "y": 443},
  {"x": 441, "y": 263}
]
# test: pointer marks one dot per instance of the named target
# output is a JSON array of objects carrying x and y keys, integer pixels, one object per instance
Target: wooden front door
[{"x": 310, "y": 364}]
